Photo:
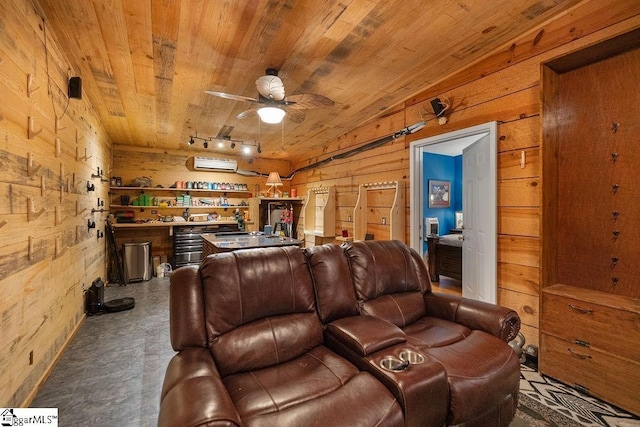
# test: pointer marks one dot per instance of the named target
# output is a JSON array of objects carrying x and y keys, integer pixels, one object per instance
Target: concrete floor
[{"x": 112, "y": 371}]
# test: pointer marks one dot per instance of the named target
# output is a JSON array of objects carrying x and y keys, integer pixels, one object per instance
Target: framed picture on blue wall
[{"x": 439, "y": 194}]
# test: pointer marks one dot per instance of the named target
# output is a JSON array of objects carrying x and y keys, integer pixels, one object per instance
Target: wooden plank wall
[
  {"x": 502, "y": 87},
  {"x": 48, "y": 256}
]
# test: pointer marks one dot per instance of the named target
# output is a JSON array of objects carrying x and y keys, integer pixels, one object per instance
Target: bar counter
[{"x": 226, "y": 242}]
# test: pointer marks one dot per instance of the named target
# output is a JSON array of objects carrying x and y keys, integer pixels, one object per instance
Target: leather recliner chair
[
  {"x": 389, "y": 283},
  {"x": 251, "y": 352}
]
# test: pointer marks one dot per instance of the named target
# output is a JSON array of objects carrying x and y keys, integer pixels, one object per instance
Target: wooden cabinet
[
  {"x": 590, "y": 305},
  {"x": 445, "y": 257},
  {"x": 589, "y": 339},
  {"x": 379, "y": 211},
  {"x": 320, "y": 216}
]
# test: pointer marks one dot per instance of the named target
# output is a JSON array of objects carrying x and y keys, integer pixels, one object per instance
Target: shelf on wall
[
  {"x": 393, "y": 214},
  {"x": 320, "y": 212}
]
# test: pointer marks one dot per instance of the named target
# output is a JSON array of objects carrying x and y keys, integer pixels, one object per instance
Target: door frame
[{"x": 416, "y": 176}]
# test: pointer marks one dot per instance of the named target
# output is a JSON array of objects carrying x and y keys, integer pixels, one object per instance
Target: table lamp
[{"x": 274, "y": 181}]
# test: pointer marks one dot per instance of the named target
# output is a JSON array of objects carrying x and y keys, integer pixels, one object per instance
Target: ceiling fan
[{"x": 274, "y": 104}]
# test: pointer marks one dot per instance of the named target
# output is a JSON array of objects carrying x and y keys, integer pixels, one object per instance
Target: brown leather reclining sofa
[{"x": 333, "y": 336}]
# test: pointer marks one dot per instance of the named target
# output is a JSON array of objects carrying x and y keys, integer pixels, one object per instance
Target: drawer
[
  {"x": 606, "y": 328},
  {"x": 602, "y": 375}
]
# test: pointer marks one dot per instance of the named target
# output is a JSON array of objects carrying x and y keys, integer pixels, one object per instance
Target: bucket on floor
[{"x": 163, "y": 270}]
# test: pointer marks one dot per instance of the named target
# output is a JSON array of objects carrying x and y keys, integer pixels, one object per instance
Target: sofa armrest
[
  {"x": 193, "y": 393},
  {"x": 186, "y": 309},
  {"x": 501, "y": 322},
  {"x": 365, "y": 334}
]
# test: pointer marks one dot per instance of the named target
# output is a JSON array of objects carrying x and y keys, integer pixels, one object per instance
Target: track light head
[
  {"x": 191, "y": 141},
  {"x": 258, "y": 149},
  {"x": 206, "y": 144},
  {"x": 233, "y": 144}
]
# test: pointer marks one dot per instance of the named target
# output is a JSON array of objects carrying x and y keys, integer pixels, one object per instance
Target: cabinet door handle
[
  {"x": 579, "y": 355},
  {"x": 580, "y": 309}
]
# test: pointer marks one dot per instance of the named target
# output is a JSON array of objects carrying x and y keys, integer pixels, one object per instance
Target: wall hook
[
  {"x": 78, "y": 210},
  {"x": 59, "y": 126},
  {"x": 58, "y": 216},
  {"x": 31, "y": 132},
  {"x": 59, "y": 249},
  {"x": 31, "y": 212},
  {"x": 99, "y": 234},
  {"x": 90, "y": 187},
  {"x": 85, "y": 157},
  {"x": 58, "y": 147},
  {"x": 32, "y": 168},
  {"x": 80, "y": 233},
  {"x": 90, "y": 224},
  {"x": 31, "y": 87},
  {"x": 31, "y": 251},
  {"x": 615, "y": 126}
]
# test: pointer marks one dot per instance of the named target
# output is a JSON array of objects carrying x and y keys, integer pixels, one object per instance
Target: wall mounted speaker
[
  {"x": 438, "y": 107},
  {"x": 75, "y": 87}
]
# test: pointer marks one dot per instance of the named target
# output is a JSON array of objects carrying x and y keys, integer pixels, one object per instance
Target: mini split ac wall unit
[{"x": 214, "y": 165}]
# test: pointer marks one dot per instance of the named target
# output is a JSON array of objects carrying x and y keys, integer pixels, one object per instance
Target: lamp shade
[
  {"x": 274, "y": 179},
  {"x": 271, "y": 115}
]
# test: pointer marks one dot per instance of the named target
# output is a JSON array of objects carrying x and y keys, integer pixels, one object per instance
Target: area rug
[{"x": 546, "y": 402}]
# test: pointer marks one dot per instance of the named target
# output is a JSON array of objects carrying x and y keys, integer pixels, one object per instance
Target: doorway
[{"x": 477, "y": 146}]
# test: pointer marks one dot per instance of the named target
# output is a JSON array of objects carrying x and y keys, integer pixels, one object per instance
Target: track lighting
[{"x": 220, "y": 141}]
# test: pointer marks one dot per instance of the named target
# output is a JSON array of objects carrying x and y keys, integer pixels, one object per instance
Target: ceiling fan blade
[
  {"x": 247, "y": 113},
  {"x": 231, "y": 96},
  {"x": 296, "y": 116},
  {"x": 308, "y": 100}
]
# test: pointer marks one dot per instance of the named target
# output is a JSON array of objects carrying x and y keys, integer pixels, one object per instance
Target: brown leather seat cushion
[
  {"x": 481, "y": 371},
  {"x": 318, "y": 382},
  {"x": 435, "y": 332}
]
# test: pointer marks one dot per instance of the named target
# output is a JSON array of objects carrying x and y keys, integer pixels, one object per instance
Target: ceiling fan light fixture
[{"x": 271, "y": 115}]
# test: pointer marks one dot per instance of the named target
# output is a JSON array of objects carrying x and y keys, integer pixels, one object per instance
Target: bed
[{"x": 445, "y": 256}]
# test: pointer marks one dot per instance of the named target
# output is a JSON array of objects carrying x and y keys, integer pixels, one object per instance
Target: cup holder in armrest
[
  {"x": 394, "y": 365},
  {"x": 413, "y": 357}
]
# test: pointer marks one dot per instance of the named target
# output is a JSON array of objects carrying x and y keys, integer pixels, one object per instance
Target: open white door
[
  {"x": 478, "y": 144},
  {"x": 479, "y": 231}
]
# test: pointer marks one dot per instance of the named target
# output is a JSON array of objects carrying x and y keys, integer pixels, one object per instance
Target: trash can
[{"x": 138, "y": 262}]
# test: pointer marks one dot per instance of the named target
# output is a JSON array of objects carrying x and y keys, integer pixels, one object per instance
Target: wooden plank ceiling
[{"x": 146, "y": 64}]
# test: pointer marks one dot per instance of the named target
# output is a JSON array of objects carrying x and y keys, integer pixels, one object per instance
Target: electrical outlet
[{"x": 31, "y": 358}]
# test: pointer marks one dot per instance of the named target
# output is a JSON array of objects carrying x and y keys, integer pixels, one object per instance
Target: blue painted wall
[{"x": 442, "y": 168}]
